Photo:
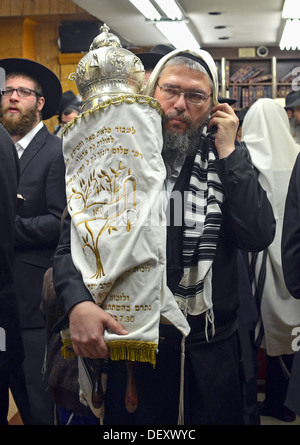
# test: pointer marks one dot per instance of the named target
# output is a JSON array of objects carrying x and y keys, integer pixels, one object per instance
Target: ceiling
[{"x": 248, "y": 23}]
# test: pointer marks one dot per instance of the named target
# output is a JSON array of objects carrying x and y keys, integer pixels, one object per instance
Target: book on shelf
[
  {"x": 283, "y": 90},
  {"x": 252, "y": 74},
  {"x": 252, "y": 94},
  {"x": 240, "y": 73},
  {"x": 247, "y": 95},
  {"x": 289, "y": 76},
  {"x": 234, "y": 94},
  {"x": 262, "y": 78},
  {"x": 259, "y": 92}
]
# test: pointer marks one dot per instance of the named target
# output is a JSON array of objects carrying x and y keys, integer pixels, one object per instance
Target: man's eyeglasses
[
  {"x": 190, "y": 96},
  {"x": 21, "y": 92}
]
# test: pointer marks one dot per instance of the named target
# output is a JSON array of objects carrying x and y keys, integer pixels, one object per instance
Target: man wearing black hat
[
  {"x": 292, "y": 106},
  {"x": 69, "y": 99},
  {"x": 151, "y": 58},
  {"x": 32, "y": 93}
]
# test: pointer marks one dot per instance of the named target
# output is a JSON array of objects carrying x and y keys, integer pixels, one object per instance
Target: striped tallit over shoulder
[
  {"x": 202, "y": 220},
  {"x": 202, "y": 216}
]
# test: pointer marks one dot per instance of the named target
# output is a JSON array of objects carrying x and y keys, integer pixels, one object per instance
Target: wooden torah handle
[
  {"x": 97, "y": 394},
  {"x": 95, "y": 368},
  {"x": 131, "y": 397}
]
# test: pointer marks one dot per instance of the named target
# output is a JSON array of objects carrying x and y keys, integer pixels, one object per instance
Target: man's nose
[
  {"x": 180, "y": 102},
  {"x": 14, "y": 95}
]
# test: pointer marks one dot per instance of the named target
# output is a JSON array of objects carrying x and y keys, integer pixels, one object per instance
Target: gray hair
[{"x": 188, "y": 63}]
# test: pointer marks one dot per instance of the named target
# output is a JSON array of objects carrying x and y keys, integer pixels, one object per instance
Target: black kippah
[{"x": 197, "y": 59}]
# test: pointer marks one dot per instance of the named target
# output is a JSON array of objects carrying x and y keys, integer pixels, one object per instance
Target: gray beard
[
  {"x": 177, "y": 145},
  {"x": 295, "y": 129}
]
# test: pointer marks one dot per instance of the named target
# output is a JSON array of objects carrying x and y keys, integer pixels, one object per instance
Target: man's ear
[
  {"x": 289, "y": 113},
  {"x": 40, "y": 103}
]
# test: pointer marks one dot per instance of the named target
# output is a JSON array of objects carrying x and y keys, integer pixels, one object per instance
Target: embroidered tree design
[{"x": 89, "y": 194}]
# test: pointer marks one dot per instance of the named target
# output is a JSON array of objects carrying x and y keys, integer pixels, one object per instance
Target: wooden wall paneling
[
  {"x": 16, "y": 7},
  {"x": 11, "y": 46},
  {"x": 29, "y": 39},
  {"x": 34, "y": 27},
  {"x": 46, "y": 34},
  {"x": 46, "y": 46},
  {"x": 68, "y": 64},
  {"x": 7, "y": 8},
  {"x": 28, "y": 7},
  {"x": 66, "y": 83},
  {"x": 42, "y": 7},
  {"x": 21, "y": 41},
  {"x": 38, "y": 7},
  {"x": 63, "y": 7}
]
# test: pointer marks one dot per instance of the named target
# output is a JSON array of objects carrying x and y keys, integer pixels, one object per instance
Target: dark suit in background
[
  {"x": 33, "y": 93},
  {"x": 42, "y": 185},
  {"x": 12, "y": 354}
]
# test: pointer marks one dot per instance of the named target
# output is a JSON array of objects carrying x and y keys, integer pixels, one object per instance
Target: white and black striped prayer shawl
[
  {"x": 203, "y": 213},
  {"x": 257, "y": 261},
  {"x": 202, "y": 222}
]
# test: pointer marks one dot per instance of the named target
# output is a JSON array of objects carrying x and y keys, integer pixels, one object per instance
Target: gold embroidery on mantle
[
  {"x": 120, "y": 199},
  {"x": 128, "y": 98}
]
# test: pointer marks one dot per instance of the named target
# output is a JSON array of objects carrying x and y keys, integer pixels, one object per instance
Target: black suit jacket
[
  {"x": 9, "y": 315},
  {"x": 291, "y": 234},
  {"x": 37, "y": 224},
  {"x": 248, "y": 223}
]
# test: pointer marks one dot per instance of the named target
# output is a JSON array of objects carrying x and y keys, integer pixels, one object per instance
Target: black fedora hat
[
  {"x": 292, "y": 100},
  {"x": 52, "y": 91},
  {"x": 68, "y": 98},
  {"x": 150, "y": 59}
]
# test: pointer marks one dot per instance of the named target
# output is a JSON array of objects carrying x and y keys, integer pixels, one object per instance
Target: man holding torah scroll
[{"x": 223, "y": 208}]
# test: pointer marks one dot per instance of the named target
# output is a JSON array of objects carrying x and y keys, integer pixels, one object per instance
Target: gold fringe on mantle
[
  {"x": 129, "y": 350},
  {"x": 133, "y": 351},
  {"x": 67, "y": 349}
]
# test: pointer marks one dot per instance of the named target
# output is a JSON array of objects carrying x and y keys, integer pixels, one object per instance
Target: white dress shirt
[{"x": 23, "y": 143}]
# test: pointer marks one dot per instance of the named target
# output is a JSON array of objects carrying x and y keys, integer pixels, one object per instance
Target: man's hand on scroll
[{"x": 87, "y": 325}]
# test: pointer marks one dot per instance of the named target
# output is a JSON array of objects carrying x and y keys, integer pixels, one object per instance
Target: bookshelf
[
  {"x": 248, "y": 79},
  {"x": 284, "y": 77}
]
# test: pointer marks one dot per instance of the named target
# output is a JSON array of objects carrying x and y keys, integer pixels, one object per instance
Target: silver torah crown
[{"x": 108, "y": 70}]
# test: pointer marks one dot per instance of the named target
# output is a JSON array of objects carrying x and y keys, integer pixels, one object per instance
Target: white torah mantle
[{"x": 114, "y": 179}]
